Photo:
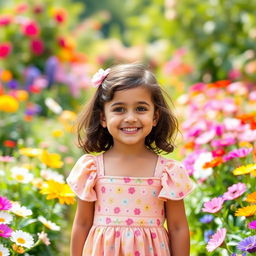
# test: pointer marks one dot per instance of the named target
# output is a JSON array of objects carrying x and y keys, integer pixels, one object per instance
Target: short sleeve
[
  {"x": 175, "y": 181},
  {"x": 82, "y": 178}
]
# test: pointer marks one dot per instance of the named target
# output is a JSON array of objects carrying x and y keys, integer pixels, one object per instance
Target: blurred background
[{"x": 203, "y": 54}]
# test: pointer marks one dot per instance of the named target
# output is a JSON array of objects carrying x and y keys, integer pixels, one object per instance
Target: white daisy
[
  {"x": 22, "y": 238},
  {"x": 2, "y": 173},
  {"x": 53, "y": 105},
  {"x": 5, "y": 218},
  {"x": 19, "y": 210},
  {"x": 201, "y": 172},
  {"x": 4, "y": 251},
  {"x": 48, "y": 224},
  {"x": 22, "y": 175},
  {"x": 49, "y": 174}
]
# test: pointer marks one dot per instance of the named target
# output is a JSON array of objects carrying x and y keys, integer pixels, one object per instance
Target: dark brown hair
[{"x": 92, "y": 137}]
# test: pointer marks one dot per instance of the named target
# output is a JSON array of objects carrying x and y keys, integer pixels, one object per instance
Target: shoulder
[{"x": 169, "y": 163}]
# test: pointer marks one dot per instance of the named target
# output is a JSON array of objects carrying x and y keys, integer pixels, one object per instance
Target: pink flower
[
  {"x": 127, "y": 179},
  {"x": 117, "y": 210},
  {"x": 223, "y": 142},
  {"x": 5, "y": 20},
  {"x": 158, "y": 222},
  {"x": 5, "y": 231},
  {"x": 214, "y": 205},
  {"x": 117, "y": 233},
  {"x": 234, "y": 191},
  {"x": 216, "y": 240},
  {"x": 6, "y": 159},
  {"x": 150, "y": 181},
  {"x": 129, "y": 222},
  {"x": 137, "y": 253},
  {"x": 205, "y": 137},
  {"x": 5, "y": 204},
  {"x": 153, "y": 235},
  {"x": 131, "y": 190},
  {"x": 30, "y": 29},
  {"x": 103, "y": 189},
  {"x": 137, "y": 232},
  {"x": 108, "y": 220},
  {"x": 137, "y": 211},
  {"x": 240, "y": 152},
  {"x": 99, "y": 77},
  {"x": 5, "y": 49},
  {"x": 37, "y": 46}
]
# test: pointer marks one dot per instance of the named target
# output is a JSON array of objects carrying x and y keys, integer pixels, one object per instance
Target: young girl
[{"x": 126, "y": 193}]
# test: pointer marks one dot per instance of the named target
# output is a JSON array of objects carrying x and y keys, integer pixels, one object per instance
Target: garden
[{"x": 204, "y": 56}]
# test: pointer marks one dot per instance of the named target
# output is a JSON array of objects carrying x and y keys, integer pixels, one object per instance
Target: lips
[{"x": 130, "y": 129}]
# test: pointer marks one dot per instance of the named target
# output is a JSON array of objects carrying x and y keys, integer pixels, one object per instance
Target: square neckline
[{"x": 102, "y": 170}]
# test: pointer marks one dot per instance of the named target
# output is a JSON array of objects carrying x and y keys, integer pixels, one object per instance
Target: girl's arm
[
  {"x": 81, "y": 226},
  {"x": 177, "y": 228}
]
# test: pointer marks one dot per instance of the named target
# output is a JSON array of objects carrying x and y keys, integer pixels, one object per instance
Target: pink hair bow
[{"x": 99, "y": 77}]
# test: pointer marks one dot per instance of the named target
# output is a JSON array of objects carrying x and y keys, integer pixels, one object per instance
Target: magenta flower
[
  {"x": 234, "y": 191},
  {"x": 137, "y": 211},
  {"x": 37, "y": 46},
  {"x": 214, "y": 205},
  {"x": 5, "y": 49},
  {"x": 131, "y": 190},
  {"x": 5, "y": 204},
  {"x": 30, "y": 28},
  {"x": 223, "y": 142},
  {"x": 241, "y": 152},
  {"x": 252, "y": 224},
  {"x": 216, "y": 240},
  {"x": 117, "y": 210},
  {"x": 5, "y": 231},
  {"x": 129, "y": 222}
]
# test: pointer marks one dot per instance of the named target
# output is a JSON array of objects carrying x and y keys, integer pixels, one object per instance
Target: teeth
[{"x": 130, "y": 129}]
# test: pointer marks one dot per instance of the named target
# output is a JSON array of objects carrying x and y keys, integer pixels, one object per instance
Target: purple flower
[
  {"x": 248, "y": 244},
  {"x": 51, "y": 67},
  {"x": 5, "y": 204},
  {"x": 252, "y": 224},
  {"x": 13, "y": 84},
  {"x": 234, "y": 191},
  {"x": 207, "y": 235},
  {"x": 214, "y": 205},
  {"x": 241, "y": 152},
  {"x": 207, "y": 218}
]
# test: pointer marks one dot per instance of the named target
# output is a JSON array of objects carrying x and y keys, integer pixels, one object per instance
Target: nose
[{"x": 130, "y": 117}]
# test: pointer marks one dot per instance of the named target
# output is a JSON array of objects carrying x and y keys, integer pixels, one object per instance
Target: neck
[{"x": 133, "y": 150}]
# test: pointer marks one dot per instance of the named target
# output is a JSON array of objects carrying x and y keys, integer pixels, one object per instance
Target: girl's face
[{"x": 130, "y": 116}]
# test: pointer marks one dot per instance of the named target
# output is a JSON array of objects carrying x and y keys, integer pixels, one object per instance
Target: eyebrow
[{"x": 122, "y": 103}]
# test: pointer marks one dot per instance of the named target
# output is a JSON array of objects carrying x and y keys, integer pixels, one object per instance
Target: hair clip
[{"x": 99, "y": 77}]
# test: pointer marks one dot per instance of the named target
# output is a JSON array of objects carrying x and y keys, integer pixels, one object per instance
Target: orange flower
[
  {"x": 18, "y": 249},
  {"x": 9, "y": 143},
  {"x": 221, "y": 83},
  {"x": 189, "y": 145},
  {"x": 5, "y": 75},
  {"x": 246, "y": 211},
  {"x": 215, "y": 162},
  {"x": 251, "y": 198}
]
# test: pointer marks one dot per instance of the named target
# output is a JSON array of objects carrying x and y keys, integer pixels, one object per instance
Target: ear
[
  {"x": 156, "y": 117},
  {"x": 103, "y": 120}
]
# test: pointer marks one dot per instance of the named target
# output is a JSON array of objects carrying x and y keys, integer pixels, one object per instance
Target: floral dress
[{"x": 129, "y": 211}]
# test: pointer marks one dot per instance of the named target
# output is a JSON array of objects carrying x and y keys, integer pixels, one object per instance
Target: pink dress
[{"x": 129, "y": 211}]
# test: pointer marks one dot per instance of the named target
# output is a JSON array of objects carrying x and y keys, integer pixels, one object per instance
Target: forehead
[{"x": 133, "y": 95}]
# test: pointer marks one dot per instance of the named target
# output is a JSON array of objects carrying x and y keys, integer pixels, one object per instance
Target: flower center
[
  {"x": 20, "y": 177},
  {"x": 1, "y": 254},
  {"x": 2, "y": 220},
  {"x": 21, "y": 240}
]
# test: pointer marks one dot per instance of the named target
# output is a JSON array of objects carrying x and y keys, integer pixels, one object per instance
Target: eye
[
  {"x": 118, "y": 109},
  {"x": 141, "y": 109}
]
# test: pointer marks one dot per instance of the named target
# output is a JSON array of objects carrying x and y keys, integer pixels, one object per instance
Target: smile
[{"x": 130, "y": 129}]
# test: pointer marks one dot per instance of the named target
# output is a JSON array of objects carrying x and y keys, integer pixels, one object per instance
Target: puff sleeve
[
  {"x": 175, "y": 181},
  {"x": 82, "y": 178}
]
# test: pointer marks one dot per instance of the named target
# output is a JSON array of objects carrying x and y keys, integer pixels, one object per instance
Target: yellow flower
[
  {"x": 119, "y": 190},
  {"x": 67, "y": 118},
  {"x": 58, "y": 190},
  {"x": 18, "y": 249},
  {"x": 8, "y": 104},
  {"x": 251, "y": 198},
  {"x": 147, "y": 207},
  {"x": 246, "y": 211},
  {"x": 244, "y": 169},
  {"x": 245, "y": 144},
  {"x": 31, "y": 152},
  {"x": 51, "y": 159},
  {"x": 57, "y": 133}
]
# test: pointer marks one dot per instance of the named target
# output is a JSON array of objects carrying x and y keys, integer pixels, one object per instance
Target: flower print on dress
[
  {"x": 150, "y": 181},
  {"x": 129, "y": 221},
  {"x": 131, "y": 190},
  {"x": 117, "y": 210},
  {"x": 137, "y": 211},
  {"x": 127, "y": 179}
]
